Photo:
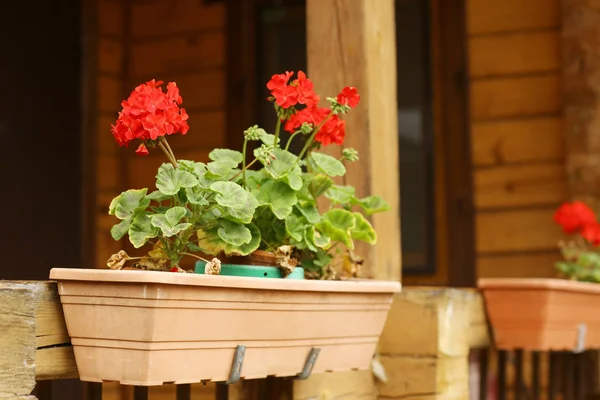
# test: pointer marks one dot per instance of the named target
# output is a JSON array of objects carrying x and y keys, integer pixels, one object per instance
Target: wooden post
[
  {"x": 34, "y": 343},
  {"x": 581, "y": 68},
  {"x": 353, "y": 43}
]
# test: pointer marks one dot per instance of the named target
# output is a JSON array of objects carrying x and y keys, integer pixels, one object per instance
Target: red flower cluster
[
  {"x": 150, "y": 113},
  {"x": 577, "y": 217},
  {"x": 300, "y": 91}
]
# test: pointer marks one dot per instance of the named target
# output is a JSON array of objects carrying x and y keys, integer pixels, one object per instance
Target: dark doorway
[{"x": 40, "y": 118}]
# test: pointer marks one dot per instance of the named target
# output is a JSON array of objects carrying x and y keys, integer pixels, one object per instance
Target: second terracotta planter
[
  {"x": 149, "y": 328},
  {"x": 543, "y": 314}
]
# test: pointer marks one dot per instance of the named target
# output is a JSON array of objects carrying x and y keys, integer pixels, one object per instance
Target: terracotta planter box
[
  {"x": 543, "y": 314},
  {"x": 150, "y": 328}
]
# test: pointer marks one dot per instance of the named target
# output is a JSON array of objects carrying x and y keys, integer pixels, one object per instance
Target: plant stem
[
  {"x": 312, "y": 136},
  {"x": 244, "y": 169},
  {"x": 277, "y": 129},
  {"x": 244, "y": 162},
  {"x": 195, "y": 256},
  {"x": 171, "y": 159},
  {"x": 164, "y": 140},
  {"x": 287, "y": 146}
]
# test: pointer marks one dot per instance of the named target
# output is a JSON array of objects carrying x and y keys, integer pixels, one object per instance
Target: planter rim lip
[
  {"x": 538, "y": 283},
  {"x": 171, "y": 278}
]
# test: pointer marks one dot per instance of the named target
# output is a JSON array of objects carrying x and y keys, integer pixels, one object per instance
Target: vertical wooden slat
[
  {"x": 552, "y": 376},
  {"x": 140, "y": 393},
  {"x": 568, "y": 376},
  {"x": 535, "y": 375},
  {"x": 93, "y": 391},
  {"x": 184, "y": 392},
  {"x": 43, "y": 390},
  {"x": 502, "y": 358},
  {"x": 222, "y": 392},
  {"x": 519, "y": 378},
  {"x": 484, "y": 359}
]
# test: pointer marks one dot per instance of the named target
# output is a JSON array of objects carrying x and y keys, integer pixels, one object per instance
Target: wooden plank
[
  {"x": 518, "y": 53},
  {"x": 190, "y": 52},
  {"x": 513, "y": 97},
  {"x": 110, "y": 56},
  {"x": 17, "y": 324},
  {"x": 165, "y": 17},
  {"x": 107, "y": 176},
  {"x": 520, "y": 185},
  {"x": 110, "y": 94},
  {"x": 110, "y": 18},
  {"x": 516, "y": 230},
  {"x": 366, "y": 29},
  {"x": 207, "y": 131},
  {"x": 492, "y": 16},
  {"x": 337, "y": 386},
  {"x": 523, "y": 265},
  {"x": 416, "y": 376},
  {"x": 105, "y": 141},
  {"x": 517, "y": 141}
]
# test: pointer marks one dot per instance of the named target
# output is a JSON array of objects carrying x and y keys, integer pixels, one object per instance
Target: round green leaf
[
  {"x": 226, "y": 155},
  {"x": 141, "y": 230},
  {"x": 283, "y": 163},
  {"x": 229, "y": 194},
  {"x": 128, "y": 203},
  {"x": 233, "y": 233},
  {"x": 328, "y": 164},
  {"x": 373, "y": 204},
  {"x": 363, "y": 230},
  {"x": 337, "y": 224},
  {"x": 341, "y": 194},
  {"x": 119, "y": 230},
  {"x": 211, "y": 242},
  {"x": 279, "y": 197},
  {"x": 170, "y": 180},
  {"x": 294, "y": 227},
  {"x": 309, "y": 211}
]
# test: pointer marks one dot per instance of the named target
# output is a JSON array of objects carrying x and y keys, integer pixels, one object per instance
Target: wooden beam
[
  {"x": 352, "y": 43},
  {"x": 34, "y": 344},
  {"x": 581, "y": 66}
]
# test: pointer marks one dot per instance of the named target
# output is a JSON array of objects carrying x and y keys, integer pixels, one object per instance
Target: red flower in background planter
[
  {"x": 574, "y": 216},
  {"x": 591, "y": 233},
  {"x": 149, "y": 114}
]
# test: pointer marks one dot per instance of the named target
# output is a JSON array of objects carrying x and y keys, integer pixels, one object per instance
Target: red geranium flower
[
  {"x": 141, "y": 150},
  {"x": 304, "y": 87},
  {"x": 348, "y": 97},
  {"x": 591, "y": 233},
  {"x": 150, "y": 113},
  {"x": 574, "y": 216},
  {"x": 333, "y": 131}
]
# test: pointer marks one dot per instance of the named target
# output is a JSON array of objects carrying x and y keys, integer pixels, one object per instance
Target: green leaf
[
  {"x": 141, "y": 230},
  {"x": 295, "y": 227},
  {"x": 341, "y": 194},
  {"x": 226, "y": 155},
  {"x": 128, "y": 203},
  {"x": 113, "y": 205},
  {"x": 318, "y": 184},
  {"x": 373, "y": 204},
  {"x": 309, "y": 210},
  {"x": 119, "y": 230},
  {"x": 220, "y": 169},
  {"x": 170, "y": 180},
  {"x": 268, "y": 139},
  {"x": 283, "y": 163},
  {"x": 317, "y": 239},
  {"x": 212, "y": 243},
  {"x": 234, "y": 234},
  {"x": 328, "y": 164},
  {"x": 279, "y": 197},
  {"x": 294, "y": 178},
  {"x": 363, "y": 230},
  {"x": 157, "y": 196},
  {"x": 244, "y": 210},
  {"x": 168, "y": 222},
  {"x": 230, "y": 194},
  {"x": 195, "y": 195},
  {"x": 337, "y": 224}
]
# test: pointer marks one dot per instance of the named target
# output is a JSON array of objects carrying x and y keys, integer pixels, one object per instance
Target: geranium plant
[
  {"x": 581, "y": 254},
  {"x": 228, "y": 206}
]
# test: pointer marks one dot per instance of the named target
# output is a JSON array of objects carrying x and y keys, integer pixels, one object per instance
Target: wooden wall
[{"x": 517, "y": 134}]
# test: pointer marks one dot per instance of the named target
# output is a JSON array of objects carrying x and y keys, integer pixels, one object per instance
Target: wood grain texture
[
  {"x": 520, "y": 185},
  {"x": 491, "y": 16},
  {"x": 518, "y": 53},
  {"x": 523, "y": 265},
  {"x": 517, "y": 230},
  {"x": 514, "y": 97},
  {"x": 359, "y": 50},
  {"x": 359, "y": 385},
  {"x": 517, "y": 141}
]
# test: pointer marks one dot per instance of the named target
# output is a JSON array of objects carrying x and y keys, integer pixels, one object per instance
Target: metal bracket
[
  {"x": 580, "y": 344},
  {"x": 236, "y": 365},
  {"x": 309, "y": 364}
]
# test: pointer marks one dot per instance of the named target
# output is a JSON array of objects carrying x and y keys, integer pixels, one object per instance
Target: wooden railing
[{"x": 435, "y": 345}]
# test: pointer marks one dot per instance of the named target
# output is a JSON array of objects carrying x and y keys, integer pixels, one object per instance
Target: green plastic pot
[{"x": 253, "y": 271}]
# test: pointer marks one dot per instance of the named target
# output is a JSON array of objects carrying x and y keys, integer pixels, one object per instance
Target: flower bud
[{"x": 349, "y": 154}]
